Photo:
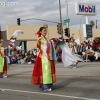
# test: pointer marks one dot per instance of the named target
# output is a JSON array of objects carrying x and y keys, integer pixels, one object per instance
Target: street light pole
[
  {"x": 61, "y": 19},
  {"x": 67, "y": 16},
  {"x": 80, "y": 27}
]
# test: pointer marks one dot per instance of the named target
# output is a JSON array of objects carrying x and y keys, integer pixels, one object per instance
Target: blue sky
[{"x": 43, "y": 9}]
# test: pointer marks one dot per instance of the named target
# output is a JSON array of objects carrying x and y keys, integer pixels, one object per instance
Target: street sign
[
  {"x": 87, "y": 29},
  {"x": 66, "y": 21}
]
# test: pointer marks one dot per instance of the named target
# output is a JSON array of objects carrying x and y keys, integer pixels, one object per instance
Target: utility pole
[
  {"x": 61, "y": 20},
  {"x": 80, "y": 28}
]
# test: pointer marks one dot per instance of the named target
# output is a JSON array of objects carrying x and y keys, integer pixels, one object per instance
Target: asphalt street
[{"x": 82, "y": 83}]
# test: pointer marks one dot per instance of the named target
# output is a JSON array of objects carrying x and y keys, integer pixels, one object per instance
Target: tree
[{"x": 92, "y": 23}]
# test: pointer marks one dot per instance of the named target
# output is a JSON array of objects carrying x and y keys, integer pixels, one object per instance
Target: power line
[{"x": 39, "y": 19}]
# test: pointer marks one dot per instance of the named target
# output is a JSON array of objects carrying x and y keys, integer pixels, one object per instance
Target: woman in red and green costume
[
  {"x": 3, "y": 63},
  {"x": 4, "y": 53},
  {"x": 44, "y": 68}
]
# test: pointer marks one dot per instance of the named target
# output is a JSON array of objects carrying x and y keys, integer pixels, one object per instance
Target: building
[{"x": 28, "y": 40}]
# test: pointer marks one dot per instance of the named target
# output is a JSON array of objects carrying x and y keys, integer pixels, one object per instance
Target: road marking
[
  {"x": 58, "y": 75},
  {"x": 48, "y": 94}
]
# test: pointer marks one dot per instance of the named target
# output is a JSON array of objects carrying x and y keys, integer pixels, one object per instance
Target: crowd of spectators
[
  {"x": 24, "y": 58},
  {"x": 89, "y": 50}
]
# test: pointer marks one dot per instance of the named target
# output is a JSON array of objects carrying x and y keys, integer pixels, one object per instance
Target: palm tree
[{"x": 92, "y": 23}]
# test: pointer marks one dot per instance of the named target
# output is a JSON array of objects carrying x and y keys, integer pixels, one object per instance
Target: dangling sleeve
[
  {"x": 12, "y": 41},
  {"x": 39, "y": 53},
  {"x": 39, "y": 43},
  {"x": 57, "y": 47},
  {"x": 68, "y": 58}
]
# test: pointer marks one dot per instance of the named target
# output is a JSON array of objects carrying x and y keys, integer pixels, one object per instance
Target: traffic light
[
  {"x": 59, "y": 28},
  {"x": 67, "y": 33},
  {"x": 18, "y": 21}
]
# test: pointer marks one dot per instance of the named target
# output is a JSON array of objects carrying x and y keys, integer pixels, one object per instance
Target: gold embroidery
[
  {"x": 54, "y": 78},
  {"x": 45, "y": 75},
  {"x": 41, "y": 80},
  {"x": 44, "y": 60},
  {"x": 37, "y": 80},
  {"x": 46, "y": 67}
]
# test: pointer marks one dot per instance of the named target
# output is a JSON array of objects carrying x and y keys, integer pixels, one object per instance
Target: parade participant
[
  {"x": 68, "y": 58},
  {"x": 73, "y": 48},
  {"x": 44, "y": 68},
  {"x": 5, "y": 53},
  {"x": 73, "y": 45},
  {"x": 3, "y": 64}
]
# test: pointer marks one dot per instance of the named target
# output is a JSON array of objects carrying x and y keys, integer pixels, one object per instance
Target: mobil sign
[{"x": 85, "y": 9}]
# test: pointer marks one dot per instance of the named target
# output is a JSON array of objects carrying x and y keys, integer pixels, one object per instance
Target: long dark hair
[{"x": 41, "y": 28}]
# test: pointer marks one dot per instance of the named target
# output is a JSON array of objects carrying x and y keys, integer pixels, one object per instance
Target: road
[{"x": 82, "y": 83}]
